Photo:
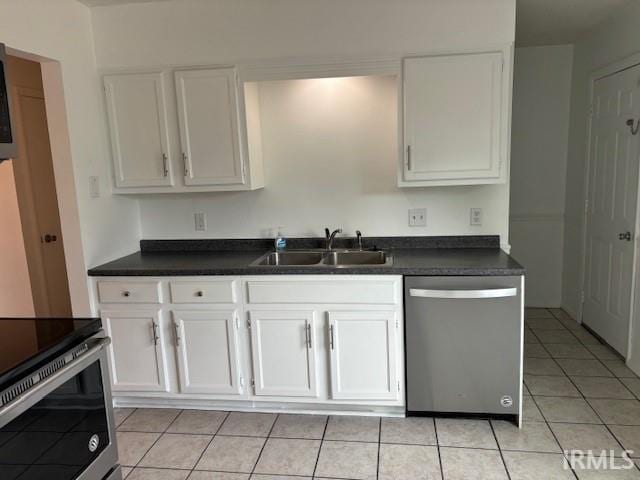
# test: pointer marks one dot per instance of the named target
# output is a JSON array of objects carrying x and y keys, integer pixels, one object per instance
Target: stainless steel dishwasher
[{"x": 464, "y": 339}]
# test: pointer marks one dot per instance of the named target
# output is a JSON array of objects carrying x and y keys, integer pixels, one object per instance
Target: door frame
[
  {"x": 595, "y": 75},
  {"x": 64, "y": 178}
]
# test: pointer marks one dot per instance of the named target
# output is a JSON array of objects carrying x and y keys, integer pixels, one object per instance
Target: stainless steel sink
[
  {"x": 290, "y": 258},
  {"x": 353, "y": 258},
  {"x": 323, "y": 259}
]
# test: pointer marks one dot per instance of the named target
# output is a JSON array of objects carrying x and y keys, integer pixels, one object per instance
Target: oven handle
[
  {"x": 484, "y": 293},
  {"x": 79, "y": 363}
]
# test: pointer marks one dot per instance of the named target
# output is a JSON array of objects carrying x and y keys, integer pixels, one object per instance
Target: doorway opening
[{"x": 33, "y": 270}]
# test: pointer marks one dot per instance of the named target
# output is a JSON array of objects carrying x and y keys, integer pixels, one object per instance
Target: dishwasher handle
[{"x": 482, "y": 293}]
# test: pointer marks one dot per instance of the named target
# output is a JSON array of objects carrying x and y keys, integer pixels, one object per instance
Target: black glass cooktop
[{"x": 27, "y": 343}]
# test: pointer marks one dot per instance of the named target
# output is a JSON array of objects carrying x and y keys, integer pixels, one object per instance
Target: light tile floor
[{"x": 578, "y": 395}]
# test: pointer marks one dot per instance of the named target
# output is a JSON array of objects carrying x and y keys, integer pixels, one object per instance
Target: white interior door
[
  {"x": 138, "y": 124},
  {"x": 611, "y": 207},
  {"x": 363, "y": 355},
  {"x": 207, "y": 344},
  {"x": 208, "y": 113},
  {"x": 284, "y": 353},
  {"x": 452, "y": 117},
  {"x": 136, "y": 353}
]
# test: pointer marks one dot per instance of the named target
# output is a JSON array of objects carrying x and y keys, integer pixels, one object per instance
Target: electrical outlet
[
  {"x": 475, "y": 216},
  {"x": 94, "y": 187},
  {"x": 200, "y": 221},
  {"x": 417, "y": 217}
]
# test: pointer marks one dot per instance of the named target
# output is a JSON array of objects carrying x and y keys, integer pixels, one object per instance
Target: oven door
[{"x": 62, "y": 428}]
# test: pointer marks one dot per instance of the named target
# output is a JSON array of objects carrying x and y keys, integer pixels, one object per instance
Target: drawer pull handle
[
  {"x": 484, "y": 293},
  {"x": 199, "y": 293},
  {"x": 126, "y": 293}
]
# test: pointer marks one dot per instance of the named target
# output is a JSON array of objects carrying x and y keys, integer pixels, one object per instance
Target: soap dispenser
[{"x": 280, "y": 240}]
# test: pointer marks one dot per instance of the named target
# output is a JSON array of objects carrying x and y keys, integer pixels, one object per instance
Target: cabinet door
[
  {"x": 207, "y": 344},
  {"x": 284, "y": 353},
  {"x": 136, "y": 353},
  {"x": 138, "y": 125},
  {"x": 208, "y": 113},
  {"x": 364, "y": 351},
  {"x": 453, "y": 119}
]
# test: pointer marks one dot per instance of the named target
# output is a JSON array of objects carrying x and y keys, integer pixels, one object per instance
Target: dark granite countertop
[{"x": 456, "y": 256}]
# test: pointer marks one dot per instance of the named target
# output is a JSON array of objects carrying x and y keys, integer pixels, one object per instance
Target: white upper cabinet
[
  {"x": 205, "y": 139},
  {"x": 208, "y": 114},
  {"x": 455, "y": 122},
  {"x": 137, "y": 116}
]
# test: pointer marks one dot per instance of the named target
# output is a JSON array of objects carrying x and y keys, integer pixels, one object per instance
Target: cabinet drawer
[
  {"x": 130, "y": 292},
  {"x": 334, "y": 291},
  {"x": 222, "y": 291}
]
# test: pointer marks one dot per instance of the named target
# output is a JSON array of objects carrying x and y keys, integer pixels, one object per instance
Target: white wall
[
  {"x": 61, "y": 30},
  {"x": 540, "y": 128},
  {"x": 192, "y": 31},
  {"x": 617, "y": 38},
  {"x": 307, "y": 197}
]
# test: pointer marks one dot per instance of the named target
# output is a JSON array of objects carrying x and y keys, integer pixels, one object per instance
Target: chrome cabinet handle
[
  {"x": 484, "y": 293},
  {"x": 307, "y": 330},
  {"x": 625, "y": 236},
  {"x": 184, "y": 162},
  {"x": 331, "y": 344},
  {"x": 165, "y": 168},
  {"x": 154, "y": 325},
  {"x": 176, "y": 326},
  {"x": 408, "y": 157}
]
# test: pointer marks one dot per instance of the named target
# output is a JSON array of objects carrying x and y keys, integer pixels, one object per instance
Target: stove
[{"x": 56, "y": 415}]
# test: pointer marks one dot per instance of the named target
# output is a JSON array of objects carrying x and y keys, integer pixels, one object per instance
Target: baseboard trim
[{"x": 262, "y": 407}]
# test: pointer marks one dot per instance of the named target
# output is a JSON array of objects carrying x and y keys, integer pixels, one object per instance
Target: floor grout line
[
  {"x": 208, "y": 444},
  {"x": 324, "y": 431},
  {"x": 435, "y": 429},
  {"x": 266, "y": 439}
]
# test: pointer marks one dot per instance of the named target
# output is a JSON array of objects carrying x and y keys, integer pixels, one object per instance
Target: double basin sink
[{"x": 324, "y": 258}]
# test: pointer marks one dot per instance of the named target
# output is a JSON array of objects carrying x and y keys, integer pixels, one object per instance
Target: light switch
[
  {"x": 200, "y": 220},
  {"x": 475, "y": 216},
  {"x": 417, "y": 217}
]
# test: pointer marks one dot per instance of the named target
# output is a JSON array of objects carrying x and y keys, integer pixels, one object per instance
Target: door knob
[
  {"x": 48, "y": 238},
  {"x": 625, "y": 236}
]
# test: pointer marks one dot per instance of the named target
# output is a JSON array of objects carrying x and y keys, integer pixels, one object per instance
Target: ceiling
[
  {"x": 554, "y": 22},
  {"x": 539, "y": 22}
]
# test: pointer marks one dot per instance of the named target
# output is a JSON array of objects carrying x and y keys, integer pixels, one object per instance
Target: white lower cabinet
[
  {"x": 256, "y": 342},
  {"x": 364, "y": 349},
  {"x": 207, "y": 351},
  {"x": 283, "y": 352},
  {"x": 137, "y": 354}
]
